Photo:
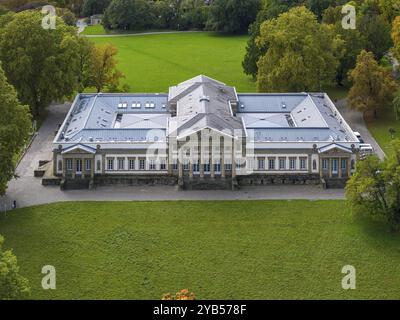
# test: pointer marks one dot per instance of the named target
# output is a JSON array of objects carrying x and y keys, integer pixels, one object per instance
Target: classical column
[
  {"x": 64, "y": 167},
  {"x": 73, "y": 168},
  {"x": 330, "y": 167},
  {"x": 92, "y": 167},
  {"x": 201, "y": 158},
  {"x": 340, "y": 167},
  {"x": 233, "y": 160},
  {"x": 348, "y": 167},
  {"x": 212, "y": 171},
  {"x": 180, "y": 165},
  {"x": 320, "y": 166},
  {"x": 191, "y": 168},
  {"x": 222, "y": 162}
]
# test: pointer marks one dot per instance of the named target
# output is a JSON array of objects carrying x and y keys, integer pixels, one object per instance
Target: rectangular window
[
  {"x": 303, "y": 163},
  {"x": 271, "y": 163},
  {"x": 131, "y": 164},
  {"x": 152, "y": 164},
  {"x": 175, "y": 165},
  {"x": 79, "y": 165},
  {"x": 142, "y": 164},
  {"x": 121, "y": 163},
  {"x": 324, "y": 164},
  {"x": 207, "y": 166},
  {"x": 344, "y": 164},
  {"x": 261, "y": 164},
  {"x": 185, "y": 165},
  {"x": 282, "y": 163},
  {"x": 88, "y": 164},
  {"x": 98, "y": 164},
  {"x": 292, "y": 163},
  {"x": 217, "y": 166},
  {"x": 228, "y": 166},
  {"x": 163, "y": 164},
  {"x": 110, "y": 163},
  {"x": 196, "y": 166},
  {"x": 69, "y": 164}
]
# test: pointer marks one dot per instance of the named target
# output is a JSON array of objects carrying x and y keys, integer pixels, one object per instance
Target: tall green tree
[
  {"x": 298, "y": 58},
  {"x": 374, "y": 27},
  {"x": 128, "y": 15},
  {"x": 42, "y": 66},
  {"x": 354, "y": 42},
  {"x": 103, "y": 72},
  {"x": 15, "y": 126},
  {"x": 232, "y": 16},
  {"x": 373, "y": 86},
  {"x": 375, "y": 187},
  {"x": 396, "y": 105},
  {"x": 396, "y": 37},
  {"x": 12, "y": 284},
  {"x": 91, "y": 7}
]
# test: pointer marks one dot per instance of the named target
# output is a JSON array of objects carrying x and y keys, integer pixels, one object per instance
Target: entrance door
[
  {"x": 79, "y": 166},
  {"x": 335, "y": 166}
]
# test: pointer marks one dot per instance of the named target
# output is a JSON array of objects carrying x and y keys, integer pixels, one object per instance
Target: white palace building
[{"x": 204, "y": 135}]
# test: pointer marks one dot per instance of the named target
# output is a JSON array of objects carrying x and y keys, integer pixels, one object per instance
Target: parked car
[
  {"x": 366, "y": 149},
  {"x": 358, "y": 135}
]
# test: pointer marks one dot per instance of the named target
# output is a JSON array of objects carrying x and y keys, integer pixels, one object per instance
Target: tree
[
  {"x": 389, "y": 9},
  {"x": 376, "y": 31},
  {"x": 103, "y": 64},
  {"x": 354, "y": 42},
  {"x": 12, "y": 284},
  {"x": 297, "y": 59},
  {"x": 194, "y": 14},
  {"x": 15, "y": 127},
  {"x": 373, "y": 85},
  {"x": 91, "y": 7},
  {"x": 396, "y": 105},
  {"x": 396, "y": 37},
  {"x": 128, "y": 15},
  {"x": 375, "y": 187},
  {"x": 232, "y": 16},
  {"x": 42, "y": 67},
  {"x": 85, "y": 49}
]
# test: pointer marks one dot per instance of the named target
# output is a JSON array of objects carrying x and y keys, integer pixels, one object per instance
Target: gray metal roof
[{"x": 201, "y": 103}]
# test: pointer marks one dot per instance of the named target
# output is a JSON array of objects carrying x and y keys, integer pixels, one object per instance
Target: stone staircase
[
  {"x": 75, "y": 184},
  {"x": 335, "y": 183}
]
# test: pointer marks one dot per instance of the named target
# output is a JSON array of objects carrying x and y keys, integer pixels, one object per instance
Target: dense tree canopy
[
  {"x": 91, "y": 7},
  {"x": 375, "y": 187},
  {"x": 396, "y": 37},
  {"x": 42, "y": 67},
  {"x": 15, "y": 126},
  {"x": 128, "y": 15},
  {"x": 12, "y": 284},
  {"x": 103, "y": 71},
  {"x": 297, "y": 59},
  {"x": 233, "y": 16},
  {"x": 373, "y": 85}
]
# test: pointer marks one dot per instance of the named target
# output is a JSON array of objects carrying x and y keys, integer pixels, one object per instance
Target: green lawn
[
  {"x": 218, "y": 249},
  {"x": 379, "y": 128},
  {"x": 94, "y": 30},
  {"x": 152, "y": 63}
]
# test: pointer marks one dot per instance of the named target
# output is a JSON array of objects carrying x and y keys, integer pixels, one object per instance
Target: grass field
[
  {"x": 152, "y": 63},
  {"x": 94, "y": 30},
  {"x": 219, "y": 250},
  {"x": 379, "y": 128}
]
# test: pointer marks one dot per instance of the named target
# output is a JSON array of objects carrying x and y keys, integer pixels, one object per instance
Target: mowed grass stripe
[
  {"x": 152, "y": 63},
  {"x": 218, "y": 249}
]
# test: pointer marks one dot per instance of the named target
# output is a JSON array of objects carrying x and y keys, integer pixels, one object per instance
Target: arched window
[{"x": 314, "y": 164}]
